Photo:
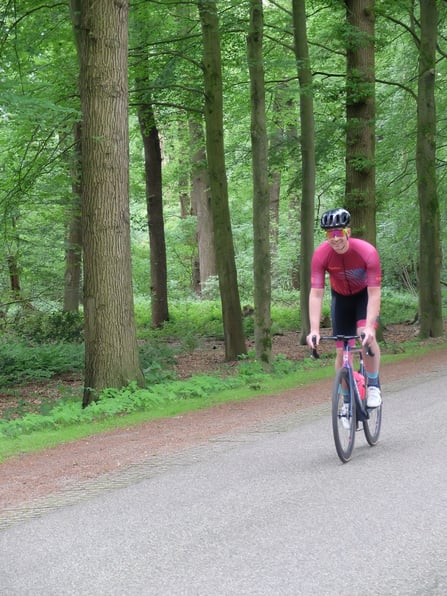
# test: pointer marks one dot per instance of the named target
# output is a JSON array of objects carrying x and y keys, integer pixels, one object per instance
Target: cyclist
[{"x": 355, "y": 278}]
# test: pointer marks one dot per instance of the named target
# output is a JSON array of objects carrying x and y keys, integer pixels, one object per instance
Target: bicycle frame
[{"x": 362, "y": 410}]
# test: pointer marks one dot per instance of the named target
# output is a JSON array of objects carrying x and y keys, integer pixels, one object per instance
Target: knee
[{"x": 338, "y": 359}]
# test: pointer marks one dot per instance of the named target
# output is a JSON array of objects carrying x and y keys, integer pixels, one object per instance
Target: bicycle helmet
[{"x": 335, "y": 218}]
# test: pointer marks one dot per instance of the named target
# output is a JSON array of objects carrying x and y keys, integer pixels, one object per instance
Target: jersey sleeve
[
  {"x": 318, "y": 269},
  {"x": 373, "y": 269}
]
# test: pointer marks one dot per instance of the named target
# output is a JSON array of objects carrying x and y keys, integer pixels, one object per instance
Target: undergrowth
[
  {"x": 20, "y": 363},
  {"x": 115, "y": 402}
]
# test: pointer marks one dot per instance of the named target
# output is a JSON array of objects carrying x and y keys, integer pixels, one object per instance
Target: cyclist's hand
[
  {"x": 368, "y": 336},
  {"x": 313, "y": 339}
]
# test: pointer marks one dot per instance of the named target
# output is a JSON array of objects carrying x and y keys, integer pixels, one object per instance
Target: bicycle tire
[
  {"x": 372, "y": 425},
  {"x": 343, "y": 425}
]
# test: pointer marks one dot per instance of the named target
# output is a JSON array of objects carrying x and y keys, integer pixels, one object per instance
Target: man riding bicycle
[{"x": 355, "y": 277}]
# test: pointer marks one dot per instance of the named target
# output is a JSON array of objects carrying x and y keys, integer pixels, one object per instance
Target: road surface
[{"x": 260, "y": 513}]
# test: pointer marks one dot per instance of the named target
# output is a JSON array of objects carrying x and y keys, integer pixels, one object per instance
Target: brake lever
[{"x": 314, "y": 353}]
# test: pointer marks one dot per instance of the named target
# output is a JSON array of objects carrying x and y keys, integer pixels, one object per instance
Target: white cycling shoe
[
  {"x": 344, "y": 415},
  {"x": 373, "y": 397}
]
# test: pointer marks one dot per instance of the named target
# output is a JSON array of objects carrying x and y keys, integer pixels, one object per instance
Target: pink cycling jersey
[{"x": 349, "y": 273}]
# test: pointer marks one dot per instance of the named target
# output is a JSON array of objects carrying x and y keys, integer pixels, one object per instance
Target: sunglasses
[{"x": 336, "y": 233}]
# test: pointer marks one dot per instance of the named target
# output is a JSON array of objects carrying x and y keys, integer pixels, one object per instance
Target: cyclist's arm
[
  {"x": 315, "y": 308},
  {"x": 372, "y": 314}
]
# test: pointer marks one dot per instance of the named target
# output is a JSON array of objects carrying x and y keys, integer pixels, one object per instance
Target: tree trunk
[
  {"x": 283, "y": 150},
  {"x": 154, "y": 202},
  {"x": 183, "y": 169},
  {"x": 225, "y": 259},
  {"x": 111, "y": 354},
  {"x": 430, "y": 299},
  {"x": 14, "y": 277},
  {"x": 275, "y": 194},
  {"x": 73, "y": 251},
  {"x": 261, "y": 196},
  {"x": 360, "y": 117},
  {"x": 201, "y": 200},
  {"x": 276, "y": 145},
  {"x": 307, "y": 160}
]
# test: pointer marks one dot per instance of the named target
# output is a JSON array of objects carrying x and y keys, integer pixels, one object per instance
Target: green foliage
[
  {"x": 210, "y": 291},
  {"x": 189, "y": 318},
  {"x": 20, "y": 363},
  {"x": 39, "y": 104},
  {"x": 195, "y": 319},
  {"x": 398, "y": 307},
  {"x": 40, "y": 327},
  {"x": 114, "y": 402},
  {"x": 254, "y": 375},
  {"x": 157, "y": 359}
]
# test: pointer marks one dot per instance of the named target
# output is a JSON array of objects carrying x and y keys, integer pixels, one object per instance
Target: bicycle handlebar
[{"x": 316, "y": 355}]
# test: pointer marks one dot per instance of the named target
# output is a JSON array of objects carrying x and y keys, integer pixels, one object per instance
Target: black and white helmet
[{"x": 335, "y": 218}]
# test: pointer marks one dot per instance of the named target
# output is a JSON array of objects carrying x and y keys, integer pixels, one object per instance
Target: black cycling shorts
[{"x": 348, "y": 312}]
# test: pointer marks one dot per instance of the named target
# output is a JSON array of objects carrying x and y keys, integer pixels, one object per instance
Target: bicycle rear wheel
[
  {"x": 372, "y": 425},
  {"x": 343, "y": 416}
]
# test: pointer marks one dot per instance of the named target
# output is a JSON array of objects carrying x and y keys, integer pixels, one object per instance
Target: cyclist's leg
[
  {"x": 372, "y": 363},
  {"x": 338, "y": 357},
  {"x": 343, "y": 322}
]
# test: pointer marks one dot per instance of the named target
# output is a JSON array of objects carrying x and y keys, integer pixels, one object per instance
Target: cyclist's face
[{"x": 339, "y": 239}]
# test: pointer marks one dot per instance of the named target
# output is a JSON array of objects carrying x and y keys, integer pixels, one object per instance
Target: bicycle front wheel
[
  {"x": 372, "y": 425},
  {"x": 343, "y": 416}
]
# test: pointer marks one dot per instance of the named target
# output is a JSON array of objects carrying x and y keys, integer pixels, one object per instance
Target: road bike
[{"x": 349, "y": 407}]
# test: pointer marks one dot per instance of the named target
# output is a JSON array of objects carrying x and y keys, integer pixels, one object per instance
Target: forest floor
[{"x": 66, "y": 467}]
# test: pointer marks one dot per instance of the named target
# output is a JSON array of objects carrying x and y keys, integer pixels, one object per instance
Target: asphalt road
[{"x": 270, "y": 512}]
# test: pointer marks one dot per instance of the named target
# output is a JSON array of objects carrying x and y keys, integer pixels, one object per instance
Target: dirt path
[{"x": 30, "y": 476}]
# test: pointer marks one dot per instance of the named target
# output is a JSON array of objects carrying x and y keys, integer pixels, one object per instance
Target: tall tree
[
  {"x": 111, "y": 354},
  {"x": 73, "y": 249},
  {"x": 142, "y": 20},
  {"x": 283, "y": 142},
  {"x": 307, "y": 159},
  {"x": 360, "y": 118},
  {"x": 154, "y": 204},
  {"x": 225, "y": 258},
  {"x": 73, "y": 242},
  {"x": 430, "y": 260},
  {"x": 201, "y": 202},
  {"x": 261, "y": 195}
]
